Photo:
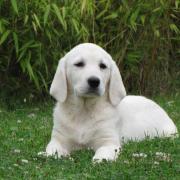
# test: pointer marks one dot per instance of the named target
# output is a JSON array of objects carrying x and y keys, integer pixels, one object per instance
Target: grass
[{"x": 25, "y": 130}]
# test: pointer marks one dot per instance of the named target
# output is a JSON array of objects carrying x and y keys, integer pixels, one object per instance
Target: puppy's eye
[
  {"x": 80, "y": 64},
  {"x": 102, "y": 66}
]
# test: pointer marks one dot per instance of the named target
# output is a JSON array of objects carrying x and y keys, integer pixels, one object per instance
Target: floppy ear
[
  {"x": 58, "y": 87},
  {"x": 116, "y": 87}
]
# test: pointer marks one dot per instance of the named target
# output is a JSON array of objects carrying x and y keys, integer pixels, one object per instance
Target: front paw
[
  {"x": 54, "y": 148},
  {"x": 108, "y": 153}
]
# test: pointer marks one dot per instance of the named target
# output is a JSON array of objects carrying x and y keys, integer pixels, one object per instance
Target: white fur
[{"x": 104, "y": 120}]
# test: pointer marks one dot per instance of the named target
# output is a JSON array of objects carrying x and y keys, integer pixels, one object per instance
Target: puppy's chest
[
  {"x": 84, "y": 126},
  {"x": 81, "y": 130}
]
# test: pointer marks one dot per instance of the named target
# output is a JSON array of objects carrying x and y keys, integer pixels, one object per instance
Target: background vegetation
[{"x": 142, "y": 36}]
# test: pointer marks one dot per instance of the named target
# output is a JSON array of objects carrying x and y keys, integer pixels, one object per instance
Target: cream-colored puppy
[{"x": 93, "y": 110}]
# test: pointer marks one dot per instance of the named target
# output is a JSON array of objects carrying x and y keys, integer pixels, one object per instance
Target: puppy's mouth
[
  {"x": 89, "y": 93},
  {"x": 92, "y": 93}
]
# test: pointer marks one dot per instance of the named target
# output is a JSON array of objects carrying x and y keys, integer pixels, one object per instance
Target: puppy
[{"x": 93, "y": 111}]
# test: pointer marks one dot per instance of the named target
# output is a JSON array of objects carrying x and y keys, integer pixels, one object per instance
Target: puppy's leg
[
  {"x": 57, "y": 146},
  {"x": 106, "y": 148},
  {"x": 109, "y": 153}
]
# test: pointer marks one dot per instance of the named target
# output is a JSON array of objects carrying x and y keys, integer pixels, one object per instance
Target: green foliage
[{"x": 142, "y": 36}]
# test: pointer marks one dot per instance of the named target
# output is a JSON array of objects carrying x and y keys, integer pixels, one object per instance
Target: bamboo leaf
[
  {"x": 157, "y": 9},
  {"x": 101, "y": 14},
  {"x": 4, "y": 36},
  {"x": 26, "y": 45},
  {"x": 30, "y": 70},
  {"x": 63, "y": 12},
  {"x": 111, "y": 16},
  {"x": 29, "y": 67},
  {"x": 156, "y": 33},
  {"x": 75, "y": 24},
  {"x": 14, "y": 5},
  {"x": 26, "y": 19},
  {"x": 177, "y": 2},
  {"x": 84, "y": 2},
  {"x": 23, "y": 65},
  {"x": 48, "y": 34},
  {"x": 34, "y": 26},
  {"x": 23, "y": 49},
  {"x": 21, "y": 55},
  {"x": 37, "y": 20},
  {"x": 15, "y": 38},
  {"x": 46, "y": 14},
  {"x": 133, "y": 18},
  {"x": 1, "y": 26},
  {"x": 174, "y": 28},
  {"x": 43, "y": 81},
  {"x": 59, "y": 16},
  {"x": 143, "y": 19}
]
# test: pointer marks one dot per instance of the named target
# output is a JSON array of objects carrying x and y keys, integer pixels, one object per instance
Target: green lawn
[{"x": 25, "y": 130}]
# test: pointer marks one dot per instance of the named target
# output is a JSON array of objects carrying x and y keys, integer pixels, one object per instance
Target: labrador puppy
[{"x": 93, "y": 111}]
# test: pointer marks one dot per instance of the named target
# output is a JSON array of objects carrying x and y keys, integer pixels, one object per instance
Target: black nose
[{"x": 93, "y": 82}]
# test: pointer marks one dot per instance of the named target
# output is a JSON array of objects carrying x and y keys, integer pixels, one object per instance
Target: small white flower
[
  {"x": 19, "y": 121},
  {"x": 24, "y": 100},
  {"x": 24, "y": 161},
  {"x": 156, "y": 163},
  {"x": 31, "y": 115},
  {"x": 42, "y": 153},
  {"x": 70, "y": 158},
  {"x": 159, "y": 154},
  {"x": 126, "y": 162},
  {"x": 169, "y": 103},
  {"x": 17, "y": 150},
  {"x": 163, "y": 156},
  {"x": 139, "y": 155},
  {"x": 16, "y": 165}
]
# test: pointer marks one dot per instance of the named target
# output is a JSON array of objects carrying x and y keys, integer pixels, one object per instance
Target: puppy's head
[{"x": 88, "y": 71}]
